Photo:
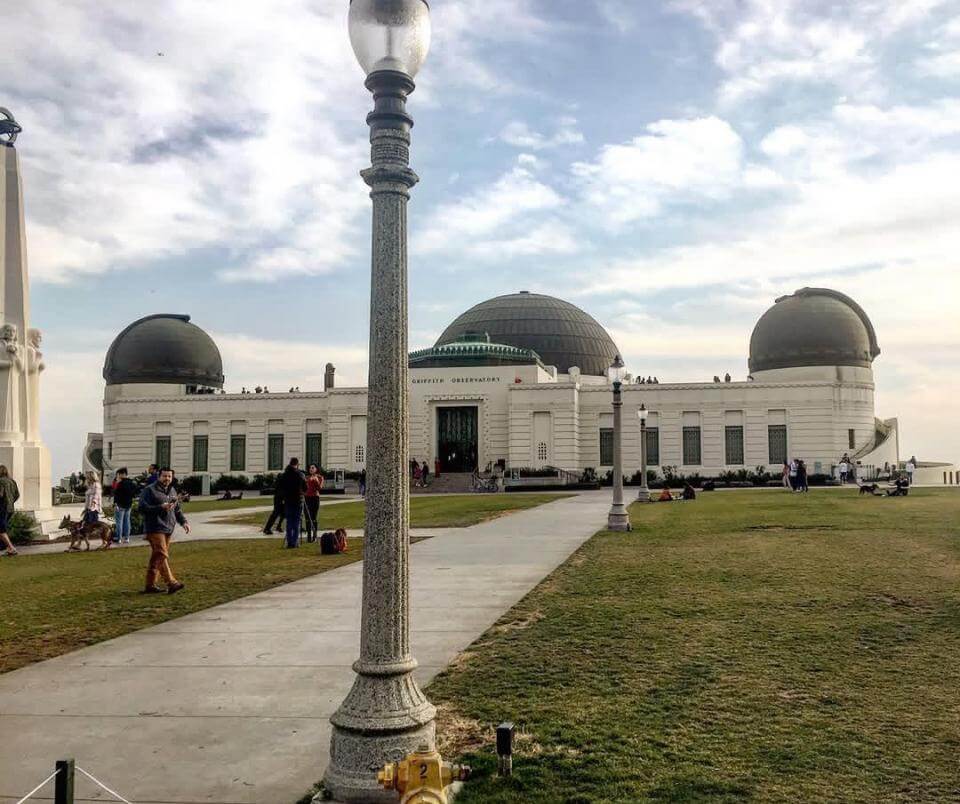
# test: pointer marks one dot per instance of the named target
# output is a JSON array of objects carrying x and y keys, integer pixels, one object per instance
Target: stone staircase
[{"x": 447, "y": 483}]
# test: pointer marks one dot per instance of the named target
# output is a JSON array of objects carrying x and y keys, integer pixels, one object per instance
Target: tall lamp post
[
  {"x": 617, "y": 519},
  {"x": 643, "y": 493},
  {"x": 385, "y": 716}
]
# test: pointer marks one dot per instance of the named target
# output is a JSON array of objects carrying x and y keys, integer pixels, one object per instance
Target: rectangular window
[
  {"x": 274, "y": 453},
  {"x": 691, "y": 446},
  {"x": 734, "y": 445},
  {"x": 314, "y": 450},
  {"x": 653, "y": 446},
  {"x": 606, "y": 446},
  {"x": 852, "y": 438},
  {"x": 200, "y": 452},
  {"x": 777, "y": 441},
  {"x": 162, "y": 452},
  {"x": 238, "y": 453}
]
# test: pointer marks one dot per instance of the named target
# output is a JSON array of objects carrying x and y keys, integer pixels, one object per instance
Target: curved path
[{"x": 231, "y": 705}]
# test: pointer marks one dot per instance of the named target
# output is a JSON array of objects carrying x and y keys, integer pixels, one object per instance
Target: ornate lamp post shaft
[
  {"x": 644, "y": 491},
  {"x": 385, "y": 716},
  {"x": 617, "y": 519}
]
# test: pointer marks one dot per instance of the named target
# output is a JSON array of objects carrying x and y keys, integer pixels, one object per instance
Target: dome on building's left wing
[{"x": 164, "y": 348}]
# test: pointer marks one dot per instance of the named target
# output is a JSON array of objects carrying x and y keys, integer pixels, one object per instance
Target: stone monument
[{"x": 21, "y": 449}]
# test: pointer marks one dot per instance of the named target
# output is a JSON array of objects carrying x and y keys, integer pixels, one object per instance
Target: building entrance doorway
[{"x": 457, "y": 439}]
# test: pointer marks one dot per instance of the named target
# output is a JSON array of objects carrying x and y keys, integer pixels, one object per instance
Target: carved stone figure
[
  {"x": 11, "y": 370},
  {"x": 34, "y": 365}
]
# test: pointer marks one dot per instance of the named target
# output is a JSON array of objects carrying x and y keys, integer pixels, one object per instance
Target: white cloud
[
  {"x": 504, "y": 216},
  {"x": 675, "y": 161},
  {"x": 768, "y": 44},
  {"x": 520, "y": 135}
]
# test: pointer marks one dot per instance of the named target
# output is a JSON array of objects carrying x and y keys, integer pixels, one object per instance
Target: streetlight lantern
[
  {"x": 644, "y": 492},
  {"x": 390, "y": 34},
  {"x": 617, "y": 519},
  {"x": 385, "y": 716},
  {"x": 617, "y": 371}
]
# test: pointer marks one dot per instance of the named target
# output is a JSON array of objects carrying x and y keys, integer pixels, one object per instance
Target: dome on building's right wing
[
  {"x": 561, "y": 333},
  {"x": 164, "y": 348},
  {"x": 813, "y": 327}
]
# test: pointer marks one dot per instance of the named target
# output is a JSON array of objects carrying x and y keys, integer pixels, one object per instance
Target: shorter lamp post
[
  {"x": 617, "y": 519},
  {"x": 644, "y": 492}
]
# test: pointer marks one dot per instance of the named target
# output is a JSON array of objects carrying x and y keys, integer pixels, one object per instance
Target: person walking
[
  {"x": 124, "y": 491},
  {"x": 844, "y": 468},
  {"x": 292, "y": 485},
  {"x": 9, "y": 494},
  {"x": 152, "y": 475},
  {"x": 794, "y": 468},
  {"x": 802, "y": 477},
  {"x": 92, "y": 501},
  {"x": 417, "y": 476},
  {"x": 362, "y": 482},
  {"x": 786, "y": 476},
  {"x": 312, "y": 499},
  {"x": 276, "y": 515},
  {"x": 425, "y": 474},
  {"x": 160, "y": 507}
]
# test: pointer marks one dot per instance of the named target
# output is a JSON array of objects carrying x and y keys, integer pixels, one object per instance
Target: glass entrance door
[{"x": 457, "y": 439}]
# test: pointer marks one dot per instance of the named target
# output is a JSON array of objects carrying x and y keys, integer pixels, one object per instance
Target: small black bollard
[
  {"x": 63, "y": 782},
  {"x": 505, "y": 749}
]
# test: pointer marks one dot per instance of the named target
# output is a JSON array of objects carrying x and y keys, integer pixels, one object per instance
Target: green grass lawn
[
  {"x": 229, "y": 505},
  {"x": 441, "y": 511},
  {"x": 749, "y": 646},
  {"x": 54, "y": 603}
]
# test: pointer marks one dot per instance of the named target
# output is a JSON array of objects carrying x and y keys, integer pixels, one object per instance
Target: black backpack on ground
[{"x": 328, "y": 544}]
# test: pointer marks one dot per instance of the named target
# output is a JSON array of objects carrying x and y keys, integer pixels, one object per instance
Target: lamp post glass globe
[
  {"x": 642, "y": 413},
  {"x": 617, "y": 370},
  {"x": 390, "y": 34}
]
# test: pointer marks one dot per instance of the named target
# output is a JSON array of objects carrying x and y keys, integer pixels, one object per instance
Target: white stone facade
[{"x": 526, "y": 416}]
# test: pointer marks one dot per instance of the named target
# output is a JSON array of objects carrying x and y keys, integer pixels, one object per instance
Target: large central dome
[{"x": 561, "y": 333}]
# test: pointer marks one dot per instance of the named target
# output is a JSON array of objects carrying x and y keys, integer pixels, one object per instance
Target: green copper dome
[{"x": 473, "y": 349}]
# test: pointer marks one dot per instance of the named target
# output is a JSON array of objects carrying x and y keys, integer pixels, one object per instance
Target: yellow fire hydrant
[{"x": 422, "y": 777}]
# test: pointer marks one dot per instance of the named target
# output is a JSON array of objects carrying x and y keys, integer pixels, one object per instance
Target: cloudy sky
[{"x": 671, "y": 166}]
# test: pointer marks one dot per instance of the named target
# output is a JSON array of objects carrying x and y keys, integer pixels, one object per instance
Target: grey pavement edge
[{"x": 230, "y": 705}]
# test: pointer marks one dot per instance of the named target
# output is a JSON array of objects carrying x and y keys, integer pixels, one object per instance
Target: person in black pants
[{"x": 276, "y": 515}]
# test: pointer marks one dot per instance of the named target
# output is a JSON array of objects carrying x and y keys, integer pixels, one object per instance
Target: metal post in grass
[
  {"x": 643, "y": 494},
  {"x": 618, "y": 518},
  {"x": 385, "y": 716},
  {"x": 63, "y": 782}
]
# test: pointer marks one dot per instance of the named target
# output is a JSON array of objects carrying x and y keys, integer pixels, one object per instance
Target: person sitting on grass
[
  {"x": 665, "y": 495},
  {"x": 689, "y": 493},
  {"x": 901, "y": 488}
]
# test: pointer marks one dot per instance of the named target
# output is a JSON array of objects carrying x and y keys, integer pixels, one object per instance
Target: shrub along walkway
[{"x": 231, "y": 704}]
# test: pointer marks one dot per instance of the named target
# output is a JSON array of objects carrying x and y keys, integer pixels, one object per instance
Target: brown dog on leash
[{"x": 82, "y": 531}]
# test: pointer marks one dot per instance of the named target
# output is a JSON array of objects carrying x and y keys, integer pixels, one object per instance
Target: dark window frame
[
  {"x": 696, "y": 445},
  {"x": 275, "y": 452},
  {"x": 606, "y": 446},
  {"x": 201, "y": 453},
  {"x": 652, "y": 437},
  {"x": 736, "y": 431},
  {"x": 238, "y": 456},
  {"x": 777, "y": 459},
  {"x": 162, "y": 451}
]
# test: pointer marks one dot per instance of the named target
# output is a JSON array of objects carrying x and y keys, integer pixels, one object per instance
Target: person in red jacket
[{"x": 312, "y": 498}]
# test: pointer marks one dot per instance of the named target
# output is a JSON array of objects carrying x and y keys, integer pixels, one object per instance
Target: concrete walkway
[{"x": 231, "y": 705}]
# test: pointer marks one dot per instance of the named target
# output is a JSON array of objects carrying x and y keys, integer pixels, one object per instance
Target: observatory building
[{"x": 518, "y": 379}]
